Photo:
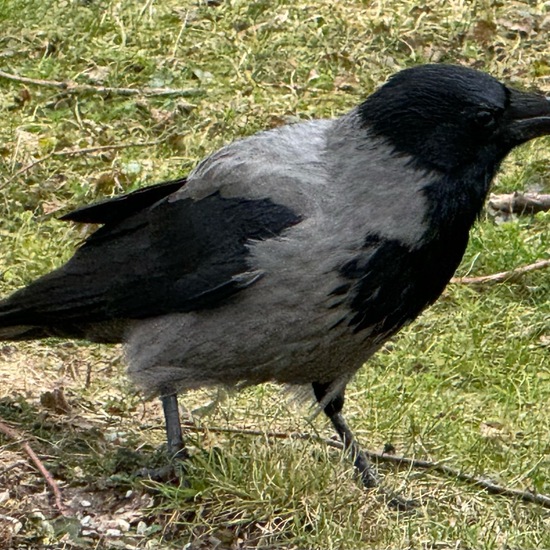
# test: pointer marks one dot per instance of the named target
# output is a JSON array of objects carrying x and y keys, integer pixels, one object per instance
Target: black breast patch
[{"x": 392, "y": 283}]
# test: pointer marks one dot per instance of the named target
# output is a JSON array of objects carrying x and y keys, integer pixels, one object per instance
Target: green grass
[{"x": 468, "y": 383}]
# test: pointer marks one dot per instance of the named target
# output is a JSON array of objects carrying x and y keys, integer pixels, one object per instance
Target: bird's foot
[
  {"x": 371, "y": 480},
  {"x": 397, "y": 502},
  {"x": 172, "y": 471}
]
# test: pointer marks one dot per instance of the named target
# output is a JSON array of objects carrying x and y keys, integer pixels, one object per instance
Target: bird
[{"x": 291, "y": 255}]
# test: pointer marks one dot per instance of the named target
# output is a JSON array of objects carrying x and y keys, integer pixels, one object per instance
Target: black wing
[{"x": 177, "y": 255}]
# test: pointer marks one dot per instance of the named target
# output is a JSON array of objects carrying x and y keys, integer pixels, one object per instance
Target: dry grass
[{"x": 468, "y": 383}]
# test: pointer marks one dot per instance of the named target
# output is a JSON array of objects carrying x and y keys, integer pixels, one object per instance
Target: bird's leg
[
  {"x": 333, "y": 409},
  {"x": 367, "y": 472},
  {"x": 174, "y": 442},
  {"x": 174, "y": 436}
]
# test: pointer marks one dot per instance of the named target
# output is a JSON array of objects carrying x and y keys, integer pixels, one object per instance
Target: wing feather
[{"x": 174, "y": 256}]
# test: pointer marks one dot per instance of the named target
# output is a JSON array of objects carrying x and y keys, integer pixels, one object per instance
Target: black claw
[
  {"x": 173, "y": 469},
  {"x": 164, "y": 474},
  {"x": 399, "y": 503}
]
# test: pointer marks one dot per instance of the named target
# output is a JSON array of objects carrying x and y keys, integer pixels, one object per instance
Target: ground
[{"x": 468, "y": 384}]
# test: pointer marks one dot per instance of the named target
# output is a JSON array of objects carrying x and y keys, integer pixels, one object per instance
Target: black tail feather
[{"x": 118, "y": 208}]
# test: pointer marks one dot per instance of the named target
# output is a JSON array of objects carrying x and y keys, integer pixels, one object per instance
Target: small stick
[
  {"x": 520, "y": 203},
  {"x": 12, "y": 434},
  {"x": 489, "y": 486},
  {"x": 503, "y": 275},
  {"x": 5, "y": 470},
  {"x": 69, "y": 86},
  {"x": 83, "y": 151}
]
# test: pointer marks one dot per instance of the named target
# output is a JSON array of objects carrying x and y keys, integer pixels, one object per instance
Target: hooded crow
[{"x": 291, "y": 255}]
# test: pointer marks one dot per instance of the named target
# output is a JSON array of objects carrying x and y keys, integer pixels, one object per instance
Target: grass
[{"x": 468, "y": 383}]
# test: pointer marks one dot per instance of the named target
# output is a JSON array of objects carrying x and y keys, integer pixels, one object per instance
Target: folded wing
[{"x": 155, "y": 255}]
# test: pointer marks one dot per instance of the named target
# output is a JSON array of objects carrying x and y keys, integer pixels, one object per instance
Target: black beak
[{"x": 528, "y": 117}]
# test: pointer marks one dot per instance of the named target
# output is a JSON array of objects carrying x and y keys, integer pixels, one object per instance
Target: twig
[
  {"x": 7, "y": 469},
  {"x": 12, "y": 434},
  {"x": 71, "y": 87},
  {"x": 489, "y": 486},
  {"x": 503, "y": 275},
  {"x": 83, "y": 151},
  {"x": 520, "y": 203},
  {"x": 26, "y": 168}
]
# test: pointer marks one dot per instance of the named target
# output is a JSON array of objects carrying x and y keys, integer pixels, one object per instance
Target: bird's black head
[{"x": 450, "y": 117}]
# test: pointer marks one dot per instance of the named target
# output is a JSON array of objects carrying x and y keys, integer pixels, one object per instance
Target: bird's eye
[{"x": 485, "y": 119}]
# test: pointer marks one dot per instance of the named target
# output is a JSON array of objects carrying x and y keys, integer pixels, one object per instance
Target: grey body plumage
[
  {"x": 294, "y": 254},
  {"x": 297, "y": 270}
]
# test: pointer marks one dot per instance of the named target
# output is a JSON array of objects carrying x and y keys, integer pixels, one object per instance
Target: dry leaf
[
  {"x": 347, "y": 83},
  {"x": 484, "y": 31},
  {"x": 523, "y": 26},
  {"x": 55, "y": 401},
  {"x": 491, "y": 429}
]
